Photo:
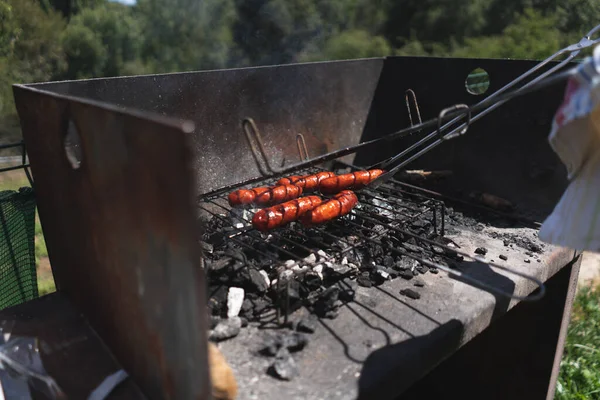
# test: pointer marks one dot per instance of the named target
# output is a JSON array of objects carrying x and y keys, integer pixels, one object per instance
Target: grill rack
[{"x": 414, "y": 203}]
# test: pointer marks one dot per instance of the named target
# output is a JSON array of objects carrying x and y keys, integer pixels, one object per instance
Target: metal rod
[
  {"x": 416, "y": 106},
  {"x": 302, "y": 150}
]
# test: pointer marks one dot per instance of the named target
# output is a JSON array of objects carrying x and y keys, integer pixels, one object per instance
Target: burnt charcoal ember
[
  {"x": 288, "y": 295},
  {"x": 312, "y": 280},
  {"x": 289, "y": 340},
  {"x": 410, "y": 293},
  {"x": 213, "y": 321},
  {"x": 407, "y": 274},
  {"x": 481, "y": 251},
  {"x": 503, "y": 257},
  {"x": 259, "y": 305},
  {"x": 422, "y": 269},
  {"x": 364, "y": 280},
  {"x": 306, "y": 325},
  {"x": 284, "y": 367},
  {"x": 217, "y": 301},
  {"x": 527, "y": 260},
  {"x": 247, "y": 308},
  {"x": 388, "y": 261},
  {"x": 434, "y": 270},
  {"x": 333, "y": 270},
  {"x": 412, "y": 247},
  {"x": 226, "y": 329},
  {"x": 348, "y": 289},
  {"x": 256, "y": 281},
  {"x": 327, "y": 301},
  {"x": 506, "y": 243},
  {"x": 535, "y": 248},
  {"x": 244, "y": 322}
]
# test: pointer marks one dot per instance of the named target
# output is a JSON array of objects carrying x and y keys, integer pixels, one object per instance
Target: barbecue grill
[{"x": 131, "y": 178}]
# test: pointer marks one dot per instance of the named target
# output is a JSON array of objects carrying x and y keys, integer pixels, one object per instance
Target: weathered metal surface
[
  {"x": 327, "y": 102},
  {"x": 72, "y": 354},
  {"x": 120, "y": 234}
]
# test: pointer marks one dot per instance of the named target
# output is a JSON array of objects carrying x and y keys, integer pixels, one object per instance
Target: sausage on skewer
[
  {"x": 264, "y": 196},
  {"x": 308, "y": 182},
  {"x": 340, "y": 205},
  {"x": 282, "y": 214},
  {"x": 354, "y": 180}
]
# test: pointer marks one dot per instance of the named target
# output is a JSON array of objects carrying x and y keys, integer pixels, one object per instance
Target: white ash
[
  {"x": 383, "y": 274},
  {"x": 344, "y": 261},
  {"x": 384, "y": 208},
  {"x": 311, "y": 259},
  {"x": 323, "y": 256},
  {"x": 235, "y": 298},
  {"x": 290, "y": 263},
  {"x": 319, "y": 270},
  {"x": 239, "y": 225},
  {"x": 298, "y": 270},
  {"x": 266, "y": 276}
]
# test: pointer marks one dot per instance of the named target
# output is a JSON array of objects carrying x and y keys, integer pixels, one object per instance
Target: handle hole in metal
[
  {"x": 477, "y": 82},
  {"x": 73, "y": 150}
]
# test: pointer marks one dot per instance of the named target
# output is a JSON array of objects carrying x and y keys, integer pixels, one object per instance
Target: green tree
[
  {"x": 350, "y": 45},
  {"x": 186, "y": 34},
  {"x": 102, "y": 41},
  {"x": 532, "y": 36}
]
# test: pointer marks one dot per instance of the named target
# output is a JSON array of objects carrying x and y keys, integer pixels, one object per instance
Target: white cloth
[{"x": 575, "y": 137}]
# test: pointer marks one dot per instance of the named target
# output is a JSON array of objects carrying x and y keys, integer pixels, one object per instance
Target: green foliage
[
  {"x": 579, "y": 374},
  {"x": 352, "y": 44},
  {"x": 186, "y": 34},
  {"x": 532, "y": 36},
  {"x": 102, "y": 41}
]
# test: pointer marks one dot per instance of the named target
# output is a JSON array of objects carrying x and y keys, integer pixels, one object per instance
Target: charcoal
[
  {"x": 260, "y": 305},
  {"x": 348, "y": 289},
  {"x": 213, "y": 321},
  {"x": 284, "y": 367},
  {"x": 247, "y": 307},
  {"x": 388, "y": 261},
  {"x": 433, "y": 270},
  {"x": 337, "y": 269},
  {"x": 244, "y": 322},
  {"x": 332, "y": 314},
  {"x": 527, "y": 260},
  {"x": 327, "y": 301},
  {"x": 226, "y": 329},
  {"x": 481, "y": 251},
  {"x": 535, "y": 248},
  {"x": 257, "y": 281},
  {"x": 289, "y": 340},
  {"x": 293, "y": 299},
  {"x": 503, "y": 257},
  {"x": 293, "y": 341},
  {"x": 217, "y": 301},
  {"x": 407, "y": 274},
  {"x": 422, "y": 269},
  {"x": 412, "y": 247},
  {"x": 364, "y": 281},
  {"x": 528, "y": 254},
  {"x": 307, "y": 325},
  {"x": 410, "y": 293},
  {"x": 506, "y": 243},
  {"x": 312, "y": 280}
]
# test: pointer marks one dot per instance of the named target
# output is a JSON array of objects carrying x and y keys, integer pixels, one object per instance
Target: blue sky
[{"x": 126, "y": 1}]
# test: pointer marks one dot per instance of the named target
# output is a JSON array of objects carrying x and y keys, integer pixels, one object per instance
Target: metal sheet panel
[{"x": 120, "y": 235}]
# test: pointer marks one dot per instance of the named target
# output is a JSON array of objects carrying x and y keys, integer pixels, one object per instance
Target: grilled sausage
[
  {"x": 245, "y": 196},
  {"x": 354, "y": 180},
  {"x": 282, "y": 214},
  {"x": 340, "y": 205},
  {"x": 264, "y": 196},
  {"x": 308, "y": 182}
]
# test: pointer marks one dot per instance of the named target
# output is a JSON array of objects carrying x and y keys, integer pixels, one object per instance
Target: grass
[{"x": 580, "y": 367}]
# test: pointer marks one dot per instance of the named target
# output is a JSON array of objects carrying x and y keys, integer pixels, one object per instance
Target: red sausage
[
  {"x": 282, "y": 214},
  {"x": 354, "y": 180},
  {"x": 264, "y": 196},
  {"x": 307, "y": 182},
  {"x": 340, "y": 205},
  {"x": 245, "y": 196}
]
